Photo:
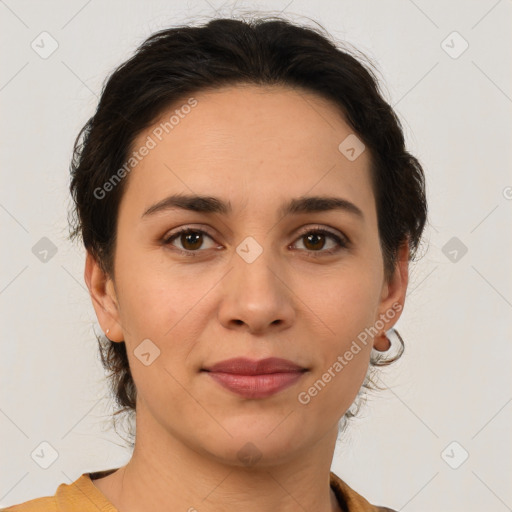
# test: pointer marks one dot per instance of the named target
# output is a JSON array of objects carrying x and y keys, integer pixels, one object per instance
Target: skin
[{"x": 257, "y": 147}]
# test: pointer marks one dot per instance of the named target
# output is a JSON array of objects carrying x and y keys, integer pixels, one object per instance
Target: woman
[{"x": 249, "y": 211}]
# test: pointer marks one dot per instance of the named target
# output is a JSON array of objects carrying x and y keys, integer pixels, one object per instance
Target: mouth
[{"x": 255, "y": 379}]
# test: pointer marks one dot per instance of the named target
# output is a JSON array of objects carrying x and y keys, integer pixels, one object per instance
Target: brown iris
[
  {"x": 314, "y": 239},
  {"x": 194, "y": 240}
]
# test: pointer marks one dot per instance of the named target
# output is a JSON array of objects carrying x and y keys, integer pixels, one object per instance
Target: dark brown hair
[{"x": 173, "y": 64}]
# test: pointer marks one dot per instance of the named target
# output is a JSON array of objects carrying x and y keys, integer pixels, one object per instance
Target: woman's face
[{"x": 251, "y": 281}]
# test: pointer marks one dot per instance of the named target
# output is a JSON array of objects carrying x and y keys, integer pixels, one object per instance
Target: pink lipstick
[{"x": 256, "y": 379}]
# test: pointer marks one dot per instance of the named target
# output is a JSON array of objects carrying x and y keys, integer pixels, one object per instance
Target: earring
[
  {"x": 388, "y": 342},
  {"x": 393, "y": 332}
]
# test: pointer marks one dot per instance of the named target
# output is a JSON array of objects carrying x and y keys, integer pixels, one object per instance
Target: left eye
[
  {"x": 315, "y": 237},
  {"x": 192, "y": 239}
]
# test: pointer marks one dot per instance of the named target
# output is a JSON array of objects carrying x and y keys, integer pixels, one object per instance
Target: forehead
[{"x": 252, "y": 143}]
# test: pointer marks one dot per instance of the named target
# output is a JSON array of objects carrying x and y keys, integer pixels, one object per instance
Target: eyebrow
[{"x": 209, "y": 204}]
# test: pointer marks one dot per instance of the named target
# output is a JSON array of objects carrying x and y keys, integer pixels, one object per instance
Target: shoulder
[
  {"x": 79, "y": 496},
  {"x": 45, "y": 504},
  {"x": 350, "y": 500}
]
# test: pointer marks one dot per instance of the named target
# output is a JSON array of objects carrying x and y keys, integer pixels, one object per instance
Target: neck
[{"x": 166, "y": 473}]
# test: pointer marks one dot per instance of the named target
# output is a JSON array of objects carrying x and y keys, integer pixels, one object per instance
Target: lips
[
  {"x": 244, "y": 366},
  {"x": 255, "y": 379}
]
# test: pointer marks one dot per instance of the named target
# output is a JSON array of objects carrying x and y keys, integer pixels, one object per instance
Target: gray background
[{"x": 453, "y": 384}]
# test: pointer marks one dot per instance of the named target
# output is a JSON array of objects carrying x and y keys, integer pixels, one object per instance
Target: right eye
[{"x": 190, "y": 239}]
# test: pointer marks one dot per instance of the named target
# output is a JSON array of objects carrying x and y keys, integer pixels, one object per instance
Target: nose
[{"x": 256, "y": 296}]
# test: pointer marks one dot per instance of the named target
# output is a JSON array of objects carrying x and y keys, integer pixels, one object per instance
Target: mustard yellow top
[{"x": 83, "y": 496}]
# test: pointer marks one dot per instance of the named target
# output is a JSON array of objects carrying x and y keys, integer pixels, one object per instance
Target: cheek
[
  {"x": 345, "y": 301},
  {"x": 340, "y": 313},
  {"x": 166, "y": 307},
  {"x": 154, "y": 297},
  {"x": 342, "y": 354}
]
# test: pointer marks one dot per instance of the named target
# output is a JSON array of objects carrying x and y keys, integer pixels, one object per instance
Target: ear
[
  {"x": 104, "y": 299},
  {"x": 392, "y": 297}
]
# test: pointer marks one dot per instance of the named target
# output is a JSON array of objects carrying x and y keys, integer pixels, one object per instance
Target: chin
[{"x": 268, "y": 443}]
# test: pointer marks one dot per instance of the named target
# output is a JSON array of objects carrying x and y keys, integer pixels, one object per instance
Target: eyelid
[
  {"x": 302, "y": 231},
  {"x": 325, "y": 229},
  {"x": 188, "y": 227}
]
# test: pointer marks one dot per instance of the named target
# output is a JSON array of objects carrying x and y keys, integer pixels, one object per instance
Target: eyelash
[{"x": 343, "y": 243}]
